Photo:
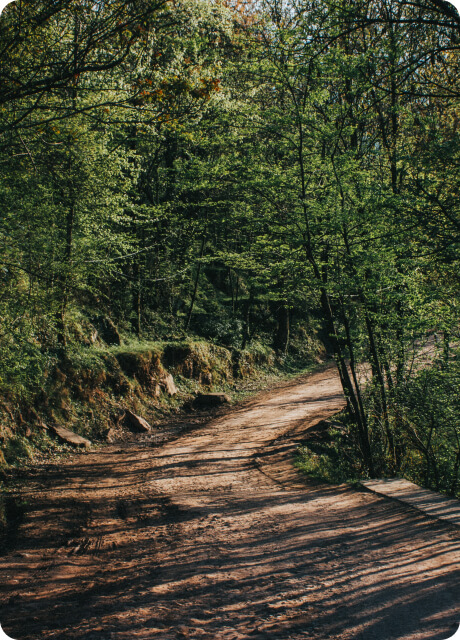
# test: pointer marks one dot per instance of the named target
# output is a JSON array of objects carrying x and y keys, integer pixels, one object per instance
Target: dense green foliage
[{"x": 241, "y": 173}]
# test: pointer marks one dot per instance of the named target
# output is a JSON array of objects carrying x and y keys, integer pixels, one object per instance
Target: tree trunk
[
  {"x": 137, "y": 300},
  {"x": 281, "y": 341},
  {"x": 195, "y": 287}
]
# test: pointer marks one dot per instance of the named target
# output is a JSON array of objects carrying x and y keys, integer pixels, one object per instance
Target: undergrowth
[
  {"x": 425, "y": 421},
  {"x": 88, "y": 389},
  {"x": 329, "y": 453}
]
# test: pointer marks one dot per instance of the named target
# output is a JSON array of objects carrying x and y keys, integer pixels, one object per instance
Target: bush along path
[{"x": 215, "y": 536}]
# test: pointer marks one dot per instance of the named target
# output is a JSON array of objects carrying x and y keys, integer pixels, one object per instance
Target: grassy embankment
[{"x": 89, "y": 390}]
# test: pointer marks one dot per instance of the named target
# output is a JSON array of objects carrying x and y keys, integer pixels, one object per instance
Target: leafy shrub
[
  {"x": 429, "y": 414},
  {"x": 24, "y": 367},
  {"x": 220, "y": 329},
  {"x": 329, "y": 453},
  {"x": 17, "y": 448}
]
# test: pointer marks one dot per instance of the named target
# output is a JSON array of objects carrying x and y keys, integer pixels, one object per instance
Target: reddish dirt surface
[{"x": 215, "y": 536}]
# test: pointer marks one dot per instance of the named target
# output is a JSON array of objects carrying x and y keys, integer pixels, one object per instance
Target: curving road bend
[{"x": 215, "y": 536}]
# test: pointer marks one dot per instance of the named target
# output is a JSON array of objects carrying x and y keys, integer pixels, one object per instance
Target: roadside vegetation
[{"x": 429, "y": 414}]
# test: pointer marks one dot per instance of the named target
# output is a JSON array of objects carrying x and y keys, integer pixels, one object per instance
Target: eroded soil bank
[{"x": 215, "y": 536}]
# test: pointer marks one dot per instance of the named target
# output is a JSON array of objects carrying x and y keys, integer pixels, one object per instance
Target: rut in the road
[{"x": 215, "y": 536}]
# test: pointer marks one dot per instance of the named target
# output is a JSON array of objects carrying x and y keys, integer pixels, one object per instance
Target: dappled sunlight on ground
[{"x": 215, "y": 536}]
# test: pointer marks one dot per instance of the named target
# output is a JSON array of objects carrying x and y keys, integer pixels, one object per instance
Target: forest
[{"x": 272, "y": 180}]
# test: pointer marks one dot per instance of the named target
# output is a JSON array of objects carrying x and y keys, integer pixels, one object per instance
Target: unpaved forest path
[{"x": 214, "y": 536}]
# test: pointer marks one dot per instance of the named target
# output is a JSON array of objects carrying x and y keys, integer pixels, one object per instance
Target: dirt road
[{"x": 214, "y": 536}]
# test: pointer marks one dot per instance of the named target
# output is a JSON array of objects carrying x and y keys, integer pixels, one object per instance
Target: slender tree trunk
[
  {"x": 377, "y": 368},
  {"x": 349, "y": 391},
  {"x": 232, "y": 291},
  {"x": 352, "y": 363},
  {"x": 137, "y": 299},
  {"x": 247, "y": 319},
  {"x": 283, "y": 329},
  {"x": 454, "y": 482},
  {"x": 195, "y": 287},
  {"x": 64, "y": 277}
]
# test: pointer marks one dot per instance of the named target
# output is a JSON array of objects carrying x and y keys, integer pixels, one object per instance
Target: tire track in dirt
[{"x": 215, "y": 536}]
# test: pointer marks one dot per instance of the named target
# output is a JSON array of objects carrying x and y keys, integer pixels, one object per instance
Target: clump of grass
[
  {"x": 16, "y": 449},
  {"x": 205, "y": 362},
  {"x": 328, "y": 454}
]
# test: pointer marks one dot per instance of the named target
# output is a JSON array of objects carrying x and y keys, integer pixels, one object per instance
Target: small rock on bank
[
  {"x": 211, "y": 399},
  {"x": 136, "y": 423},
  {"x": 69, "y": 437},
  {"x": 167, "y": 384}
]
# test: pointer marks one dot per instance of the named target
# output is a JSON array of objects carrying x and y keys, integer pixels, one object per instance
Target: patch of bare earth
[{"x": 215, "y": 536}]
